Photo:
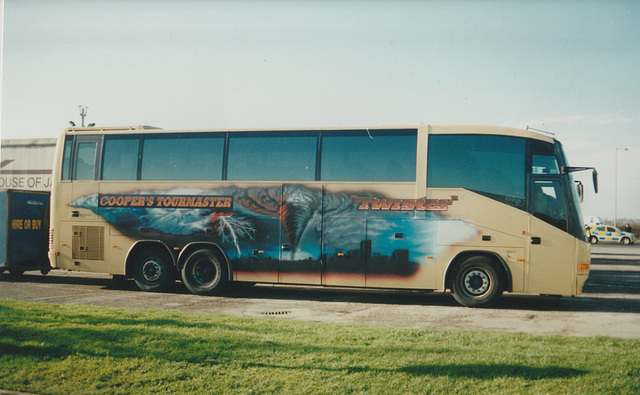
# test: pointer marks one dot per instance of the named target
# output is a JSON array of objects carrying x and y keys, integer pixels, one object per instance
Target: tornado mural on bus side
[{"x": 310, "y": 221}]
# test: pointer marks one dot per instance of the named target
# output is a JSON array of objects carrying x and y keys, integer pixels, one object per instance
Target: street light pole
[{"x": 615, "y": 199}]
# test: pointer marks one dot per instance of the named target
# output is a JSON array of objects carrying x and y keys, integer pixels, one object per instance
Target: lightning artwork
[{"x": 260, "y": 226}]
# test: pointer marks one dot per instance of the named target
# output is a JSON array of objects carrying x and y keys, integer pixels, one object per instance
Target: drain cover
[{"x": 276, "y": 313}]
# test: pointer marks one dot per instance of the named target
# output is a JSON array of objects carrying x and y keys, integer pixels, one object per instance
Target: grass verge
[{"x": 52, "y": 349}]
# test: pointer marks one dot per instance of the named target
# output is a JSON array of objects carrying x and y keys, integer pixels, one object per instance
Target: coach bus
[{"x": 475, "y": 210}]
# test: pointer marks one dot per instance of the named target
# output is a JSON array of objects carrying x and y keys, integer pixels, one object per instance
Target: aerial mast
[{"x": 83, "y": 113}]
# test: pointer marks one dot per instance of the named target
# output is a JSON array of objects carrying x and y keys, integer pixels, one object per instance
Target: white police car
[{"x": 606, "y": 233}]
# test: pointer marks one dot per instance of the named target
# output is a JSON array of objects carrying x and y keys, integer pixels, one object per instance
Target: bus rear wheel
[
  {"x": 205, "y": 272},
  {"x": 477, "y": 282},
  {"x": 153, "y": 270}
]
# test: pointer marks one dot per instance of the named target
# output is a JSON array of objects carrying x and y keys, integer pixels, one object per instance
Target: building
[{"x": 27, "y": 164}]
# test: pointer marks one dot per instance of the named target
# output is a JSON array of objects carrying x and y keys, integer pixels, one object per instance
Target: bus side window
[
  {"x": 66, "y": 159},
  {"x": 182, "y": 157},
  {"x": 376, "y": 155},
  {"x": 120, "y": 159},
  {"x": 85, "y": 161},
  {"x": 544, "y": 164},
  {"x": 493, "y": 166},
  {"x": 270, "y": 157},
  {"x": 548, "y": 204}
]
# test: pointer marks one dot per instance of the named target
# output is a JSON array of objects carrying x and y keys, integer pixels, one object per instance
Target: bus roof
[
  {"x": 94, "y": 129},
  {"x": 483, "y": 129},
  {"x": 432, "y": 129}
]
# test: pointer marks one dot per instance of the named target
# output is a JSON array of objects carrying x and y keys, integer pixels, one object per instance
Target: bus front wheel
[
  {"x": 477, "y": 282},
  {"x": 205, "y": 272},
  {"x": 153, "y": 270}
]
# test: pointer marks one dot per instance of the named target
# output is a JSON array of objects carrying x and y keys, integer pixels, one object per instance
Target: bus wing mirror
[
  {"x": 580, "y": 189},
  {"x": 570, "y": 169}
]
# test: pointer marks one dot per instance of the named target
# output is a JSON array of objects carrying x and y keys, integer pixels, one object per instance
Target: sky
[{"x": 567, "y": 67}]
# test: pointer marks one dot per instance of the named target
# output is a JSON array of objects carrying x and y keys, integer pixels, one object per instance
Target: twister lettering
[{"x": 422, "y": 204}]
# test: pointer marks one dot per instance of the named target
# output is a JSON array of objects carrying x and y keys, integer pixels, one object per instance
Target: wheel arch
[
  {"x": 464, "y": 255},
  {"x": 141, "y": 246},
  {"x": 194, "y": 246}
]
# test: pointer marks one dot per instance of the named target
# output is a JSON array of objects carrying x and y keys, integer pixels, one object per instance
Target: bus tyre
[
  {"x": 153, "y": 270},
  {"x": 205, "y": 272},
  {"x": 477, "y": 282},
  {"x": 593, "y": 240}
]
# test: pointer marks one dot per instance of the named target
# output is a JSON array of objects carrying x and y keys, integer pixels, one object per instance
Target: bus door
[
  {"x": 551, "y": 247},
  {"x": 300, "y": 238},
  {"x": 84, "y": 172},
  {"x": 79, "y": 229}
]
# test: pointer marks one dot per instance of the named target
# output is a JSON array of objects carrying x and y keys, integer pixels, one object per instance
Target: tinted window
[
  {"x": 188, "y": 157},
  {"x": 66, "y": 159},
  {"x": 284, "y": 157},
  {"x": 544, "y": 164},
  {"x": 548, "y": 203},
  {"x": 491, "y": 165},
  {"x": 369, "y": 156},
  {"x": 120, "y": 159},
  {"x": 85, "y": 161}
]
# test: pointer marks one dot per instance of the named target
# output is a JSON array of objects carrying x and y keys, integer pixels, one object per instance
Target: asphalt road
[{"x": 610, "y": 305}]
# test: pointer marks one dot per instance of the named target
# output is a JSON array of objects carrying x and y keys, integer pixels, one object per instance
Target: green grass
[{"x": 51, "y": 349}]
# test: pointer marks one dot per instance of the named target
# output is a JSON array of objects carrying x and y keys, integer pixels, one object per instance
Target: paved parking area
[{"x": 609, "y": 307}]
